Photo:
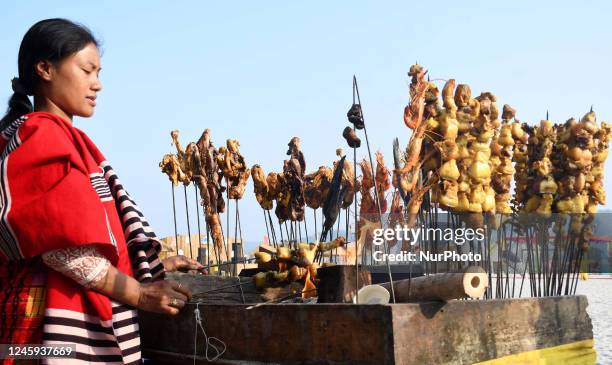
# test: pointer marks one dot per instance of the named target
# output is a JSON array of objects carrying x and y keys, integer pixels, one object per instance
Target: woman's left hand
[{"x": 182, "y": 263}]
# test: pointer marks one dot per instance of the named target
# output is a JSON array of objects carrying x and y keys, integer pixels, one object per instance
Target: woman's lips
[{"x": 92, "y": 100}]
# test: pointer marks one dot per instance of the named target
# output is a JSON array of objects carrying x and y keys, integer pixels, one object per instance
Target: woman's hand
[
  {"x": 165, "y": 296},
  {"x": 182, "y": 263}
]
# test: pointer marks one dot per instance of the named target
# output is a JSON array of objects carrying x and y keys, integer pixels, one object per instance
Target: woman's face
[{"x": 72, "y": 84}]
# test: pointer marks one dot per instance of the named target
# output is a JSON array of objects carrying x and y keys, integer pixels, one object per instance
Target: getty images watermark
[{"x": 414, "y": 235}]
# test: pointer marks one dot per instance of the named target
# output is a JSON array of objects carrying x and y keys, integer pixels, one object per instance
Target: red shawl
[{"x": 56, "y": 191}]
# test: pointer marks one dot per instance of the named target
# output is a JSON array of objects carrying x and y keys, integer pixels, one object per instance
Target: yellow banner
[{"x": 577, "y": 353}]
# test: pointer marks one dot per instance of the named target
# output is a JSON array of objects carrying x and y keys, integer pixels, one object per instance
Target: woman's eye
[{"x": 86, "y": 71}]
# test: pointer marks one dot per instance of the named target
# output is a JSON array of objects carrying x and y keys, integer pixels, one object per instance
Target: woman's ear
[{"x": 44, "y": 70}]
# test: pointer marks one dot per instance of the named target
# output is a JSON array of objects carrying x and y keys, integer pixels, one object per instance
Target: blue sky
[{"x": 265, "y": 72}]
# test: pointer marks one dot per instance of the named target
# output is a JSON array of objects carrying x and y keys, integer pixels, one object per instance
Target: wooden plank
[
  {"x": 282, "y": 333},
  {"x": 469, "y": 331},
  {"x": 456, "y": 332},
  {"x": 218, "y": 289}
]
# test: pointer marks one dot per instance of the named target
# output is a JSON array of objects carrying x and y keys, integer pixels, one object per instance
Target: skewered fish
[{"x": 332, "y": 205}]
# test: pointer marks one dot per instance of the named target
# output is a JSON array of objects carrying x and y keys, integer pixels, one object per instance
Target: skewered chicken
[
  {"x": 208, "y": 180},
  {"x": 502, "y": 150},
  {"x": 540, "y": 169},
  {"x": 171, "y": 167},
  {"x": 408, "y": 175},
  {"x": 348, "y": 181},
  {"x": 383, "y": 182},
  {"x": 291, "y": 265},
  {"x": 234, "y": 168},
  {"x": 181, "y": 158},
  {"x": 578, "y": 158},
  {"x": 413, "y": 112},
  {"x": 295, "y": 185},
  {"x": 316, "y": 187},
  {"x": 367, "y": 179},
  {"x": 213, "y": 175},
  {"x": 274, "y": 184},
  {"x": 260, "y": 186},
  {"x": 521, "y": 164},
  {"x": 351, "y": 138},
  {"x": 368, "y": 211},
  {"x": 282, "y": 196},
  {"x": 448, "y": 129},
  {"x": 432, "y": 108},
  {"x": 295, "y": 152},
  {"x": 290, "y": 192},
  {"x": 355, "y": 116}
]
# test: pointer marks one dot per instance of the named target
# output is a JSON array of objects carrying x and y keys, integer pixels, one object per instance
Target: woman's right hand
[{"x": 164, "y": 296}]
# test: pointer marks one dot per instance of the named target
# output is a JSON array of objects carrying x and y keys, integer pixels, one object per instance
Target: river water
[{"x": 599, "y": 294}]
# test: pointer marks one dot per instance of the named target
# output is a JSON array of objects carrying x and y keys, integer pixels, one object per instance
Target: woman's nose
[{"x": 97, "y": 86}]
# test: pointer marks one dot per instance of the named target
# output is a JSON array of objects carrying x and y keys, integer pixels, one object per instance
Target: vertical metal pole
[
  {"x": 305, "y": 226},
  {"x": 174, "y": 215},
  {"x": 234, "y": 245},
  {"x": 266, "y": 222},
  {"x": 207, "y": 239},
  {"x": 197, "y": 200},
  {"x": 188, "y": 226},
  {"x": 272, "y": 229},
  {"x": 224, "y": 245},
  {"x": 355, "y": 216},
  {"x": 314, "y": 212},
  {"x": 288, "y": 236},
  {"x": 385, "y": 245},
  {"x": 240, "y": 235},
  {"x": 299, "y": 227},
  {"x": 227, "y": 215}
]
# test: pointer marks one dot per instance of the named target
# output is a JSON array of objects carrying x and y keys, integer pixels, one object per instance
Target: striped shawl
[{"x": 57, "y": 190}]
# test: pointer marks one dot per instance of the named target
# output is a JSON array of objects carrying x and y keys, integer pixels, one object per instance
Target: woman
[{"x": 77, "y": 257}]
